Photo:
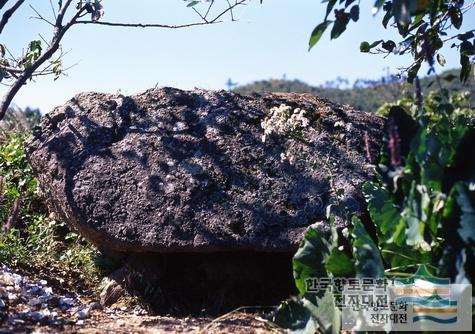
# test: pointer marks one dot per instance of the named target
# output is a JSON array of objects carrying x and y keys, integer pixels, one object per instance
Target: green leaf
[
  {"x": 309, "y": 261},
  {"x": 293, "y": 315},
  {"x": 465, "y": 36},
  {"x": 459, "y": 232},
  {"x": 466, "y": 202},
  {"x": 411, "y": 74},
  {"x": 377, "y": 6},
  {"x": 339, "y": 26},
  {"x": 317, "y": 33},
  {"x": 330, "y": 6},
  {"x": 388, "y": 8},
  {"x": 388, "y": 45},
  {"x": 466, "y": 68},
  {"x": 402, "y": 10},
  {"x": 456, "y": 16},
  {"x": 364, "y": 47},
  {"x": 467, "y": 48},
  {"x": 441, "y": 59},
  {"x": 325, "y": 312},
  {"x": 340, "y": 264},
  {"x": 368, "y": 262},
  {"x": 382, "y": 210},
  {"x": 193, "y": 3},
  {"x": 355, "y": 13}
]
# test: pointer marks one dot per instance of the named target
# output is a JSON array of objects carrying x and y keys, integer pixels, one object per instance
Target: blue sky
[{"x": 268, "y": 41}]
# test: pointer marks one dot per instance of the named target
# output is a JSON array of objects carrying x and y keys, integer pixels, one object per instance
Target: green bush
[
  {"x": 29, "y": 236},
  {"x": 421, "y": 207}
]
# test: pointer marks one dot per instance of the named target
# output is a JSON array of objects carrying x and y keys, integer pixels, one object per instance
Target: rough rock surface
[{"x": 187, "y": 171}]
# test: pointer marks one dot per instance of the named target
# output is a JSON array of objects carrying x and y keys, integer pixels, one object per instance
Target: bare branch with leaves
[{"x": 16, "y": 71}]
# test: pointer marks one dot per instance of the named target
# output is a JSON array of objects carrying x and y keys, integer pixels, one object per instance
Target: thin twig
[
  {"x": 14, "y": 215},
  {"x": 40, "y": 17},
  {"x": 209, "y": 8},
  {"x": 11, "y": 69},
  {"x": 44, "y": 40},
  {"x": 146, "y": 25},
  {"x": 231, "y": 10},
  {"x": 199, "y": 14},
  {"x": 52, "y": 9},
  {"x": 166, "y": 26}
]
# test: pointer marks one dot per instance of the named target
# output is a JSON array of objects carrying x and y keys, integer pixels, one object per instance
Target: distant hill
[{"x": 365, "y": 95}]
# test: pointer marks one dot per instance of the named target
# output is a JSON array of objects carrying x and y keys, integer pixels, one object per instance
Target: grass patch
[{"x": 30, "y": 238}]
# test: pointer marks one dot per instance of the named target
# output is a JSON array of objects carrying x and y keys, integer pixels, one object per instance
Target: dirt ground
[
  {"x": 101, "y": 322},
  {"x": 122, "y": 323},
  {"x": 36, "y": 303}
]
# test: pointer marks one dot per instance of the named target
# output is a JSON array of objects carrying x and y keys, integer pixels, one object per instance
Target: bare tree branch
[
  {"x": 3, "y": 3},
  {"x": 40, "y": 17},
  {"x": 209, "y": 8},
  {"x": 62, "y": 12},
  {"x": 53, "y": 10},
  {"x": 8, "y": 13},
  {"x": 60, "y": 30},
  {"x": 35, "y": 69},
  {"x": 145, "y": 25},
  {"x": 11, "y": 69},
  {"x": 204, "y": 21}
]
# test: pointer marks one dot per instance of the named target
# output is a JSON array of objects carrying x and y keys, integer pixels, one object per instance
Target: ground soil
[{"x": 126, "y": 316}]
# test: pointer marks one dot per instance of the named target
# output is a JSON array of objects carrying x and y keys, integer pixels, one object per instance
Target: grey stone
[{"x": 186, "y": 171}]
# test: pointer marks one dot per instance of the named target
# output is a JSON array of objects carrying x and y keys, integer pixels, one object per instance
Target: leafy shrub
[
  {"x": 29, "y": 236},
  {"x": 421, "y": 208}
]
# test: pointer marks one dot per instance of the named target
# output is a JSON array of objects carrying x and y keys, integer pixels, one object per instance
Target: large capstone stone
[{"x": 172, "y": 171}]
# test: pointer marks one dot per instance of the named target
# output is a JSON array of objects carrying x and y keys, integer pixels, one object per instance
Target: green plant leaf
[
  {"x": 411, "y": 74},
  {"x": 368, "y": 261},
  {"x": 309, "y": 261},
  {"x": 339, "y": 26},
  {"x": 340, "y": 264},
  {"x": 456, "y": 16},
  {"x": 466, "y": 68},
  {"x": 326, "y": 313},
  {"x": 457, "y": 261},
  {"x": 193, "y": 3},
  {"x": 382, "y": 210},
  {"x": 377, "y": 6},
  {"x": 330, "y": 5},
  {"x": 317, "y": 34},
  {"x": 294, "y": 316},
  {"x": 441, "y": 59},
  {"x": 355, "y": 13},
  {"x": 364, "y": 47},
  {"x": 389, "y": 45},
  {"x": 465, "y": 36},
  {"x": 389, "y": 13},
  {"x": 466, "y": 202}
]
